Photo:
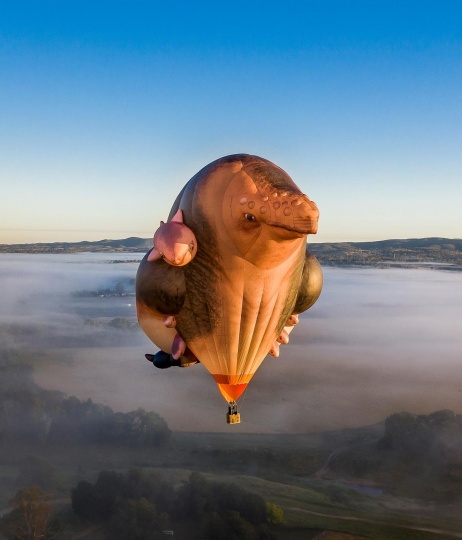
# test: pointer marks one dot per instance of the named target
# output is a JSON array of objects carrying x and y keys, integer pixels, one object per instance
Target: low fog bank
[
  {"x": 50, "y": 301},
  {"x": 377, "y": 342}
]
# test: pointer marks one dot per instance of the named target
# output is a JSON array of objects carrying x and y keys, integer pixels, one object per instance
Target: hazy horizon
[
  {"x": 312, "y": 239},
  {"x": 378, "y": 341}
]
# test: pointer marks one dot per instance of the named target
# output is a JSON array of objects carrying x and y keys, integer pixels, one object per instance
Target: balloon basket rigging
[{"x": 232, "y": 416}]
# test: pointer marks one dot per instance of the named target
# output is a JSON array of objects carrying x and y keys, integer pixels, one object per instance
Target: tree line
[
  {"x": 138, "y": 505},
  {"x": 31, "y": 414}
]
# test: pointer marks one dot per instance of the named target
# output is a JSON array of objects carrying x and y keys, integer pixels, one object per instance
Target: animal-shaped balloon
[{"x": 229, "y": 272}]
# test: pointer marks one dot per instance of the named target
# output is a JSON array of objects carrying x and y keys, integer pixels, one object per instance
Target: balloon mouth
[{"x": 309, "y": 227}]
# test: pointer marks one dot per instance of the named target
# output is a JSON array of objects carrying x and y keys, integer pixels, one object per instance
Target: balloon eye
[
  {"x": 250, "y": 217},
  {"x": 191, "y": 246}
]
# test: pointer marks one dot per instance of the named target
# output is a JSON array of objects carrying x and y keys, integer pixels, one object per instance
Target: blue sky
[{"x": 108, "y": 108}]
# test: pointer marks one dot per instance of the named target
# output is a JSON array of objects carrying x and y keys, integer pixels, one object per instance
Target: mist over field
[{"x": 378, "y": 341}]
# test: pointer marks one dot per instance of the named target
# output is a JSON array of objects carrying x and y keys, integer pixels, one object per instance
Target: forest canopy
[
  {"x": 30, "y": 413},
  {"x": 138, "y": 503}
]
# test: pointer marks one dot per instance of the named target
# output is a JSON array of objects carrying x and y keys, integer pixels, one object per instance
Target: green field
[{"x": 309, "y": 503}]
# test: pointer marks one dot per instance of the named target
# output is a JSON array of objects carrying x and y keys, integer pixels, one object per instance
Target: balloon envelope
[{"x": 251, "y": 271}]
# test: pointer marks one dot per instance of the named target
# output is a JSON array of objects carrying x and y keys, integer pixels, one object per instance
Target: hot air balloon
[{"x": 229, "y": 272}]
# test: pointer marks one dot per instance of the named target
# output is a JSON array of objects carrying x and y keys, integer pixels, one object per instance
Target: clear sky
[{"x": 108, "y": 108}]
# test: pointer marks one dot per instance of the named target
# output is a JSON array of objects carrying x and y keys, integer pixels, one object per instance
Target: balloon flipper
[
  {"x": 178, "y": 217},
  {"x": 155, "y": 255},
  {"x": 178, "y": 347},
  {"x": 292, "y": 320},
  {"x": 283, "y": 338},
  {"x": 169, "y": 321},
  {"x": 274, "y": 351}
]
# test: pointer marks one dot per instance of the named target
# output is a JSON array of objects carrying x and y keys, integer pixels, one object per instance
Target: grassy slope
[{"x": 315, "y": 505}]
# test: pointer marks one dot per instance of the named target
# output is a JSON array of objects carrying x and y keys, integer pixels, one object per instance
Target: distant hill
[
  {"x": 132, "y": 244},
  {"x": 414, "y": 251}
]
